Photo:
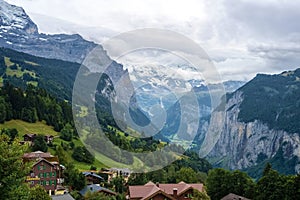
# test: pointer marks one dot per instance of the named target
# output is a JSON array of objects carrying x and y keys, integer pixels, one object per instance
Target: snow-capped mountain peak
[
  {"x": 19, "y": 32},
  {"x": 14, "y": 17}
]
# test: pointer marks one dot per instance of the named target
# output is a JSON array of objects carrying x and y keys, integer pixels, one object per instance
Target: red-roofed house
[{"x": 180, "y": 191}]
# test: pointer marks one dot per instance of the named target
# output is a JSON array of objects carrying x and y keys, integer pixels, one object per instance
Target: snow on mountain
[
  {"x": 19, "y": 32},
  {"x": 15, "y": 18}
]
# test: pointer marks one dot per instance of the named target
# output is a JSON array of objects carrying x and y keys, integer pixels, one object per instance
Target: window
[
  {"x": 32, "y": 182},
  {"x": 44, "y": 167},
  {"x": 53, "y": 174},
  {"x": 41, "y": 175},
  {"x": 47, "y": 182},
  {"x": 41, "y": 182},
  {"x": 32, "y": 174}
]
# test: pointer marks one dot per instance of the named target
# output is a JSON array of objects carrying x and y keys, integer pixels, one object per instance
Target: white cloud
[{"x": 232, "y": 32}]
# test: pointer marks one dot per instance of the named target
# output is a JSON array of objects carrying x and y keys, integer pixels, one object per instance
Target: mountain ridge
[
  {"x": 250, "y": 131},
  {"x": 19, "y": 32}
]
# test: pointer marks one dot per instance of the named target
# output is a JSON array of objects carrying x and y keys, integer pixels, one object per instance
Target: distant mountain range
[{"x": 260, "y": 122}]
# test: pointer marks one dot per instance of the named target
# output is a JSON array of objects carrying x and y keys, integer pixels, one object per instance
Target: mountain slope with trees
[{"x": 260, "y": 124}]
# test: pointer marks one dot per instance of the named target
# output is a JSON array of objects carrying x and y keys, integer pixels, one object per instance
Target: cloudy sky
[{"x": 242, "y": 38}]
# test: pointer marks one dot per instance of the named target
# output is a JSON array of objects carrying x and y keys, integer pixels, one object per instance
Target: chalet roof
[
  {"x": 232, "y": 196},
  {"x": 30, "y": 134},
  {"x": 95, "y": 188},
  {"x": 123, "y": 170},
  {"x": 59, "y": 187},
  {"x": 149, "y": 189},
  {"x": 142, "y": 191},
  {"x": 43, "y": 160},
  {"x": 62, "y": 197},
  {"x": 92, "y": 174},
  {"x": 181, "y": 187},
  {"x": 37, "y": 154}
]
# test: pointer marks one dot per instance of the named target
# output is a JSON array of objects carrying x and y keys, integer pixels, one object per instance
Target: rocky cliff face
[
  {"x": 19, "y": 32},
  {"x": 238, "y": 145}
]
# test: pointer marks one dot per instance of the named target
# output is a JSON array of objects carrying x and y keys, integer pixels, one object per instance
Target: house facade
[
  {"x": 115, "y": 172},
  {"x": 46, "y": 171},
  {"x": 48, "y": 139},
  {"x": 29, "y": 138},
  {"x": 92, "y": 178},
  {"x": 45, "y": 174}
]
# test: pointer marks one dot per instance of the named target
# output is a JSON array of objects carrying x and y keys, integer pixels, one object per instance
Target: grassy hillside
[
  {"x": 26, "y": 127},
  {"x": 43, "y": 129}
]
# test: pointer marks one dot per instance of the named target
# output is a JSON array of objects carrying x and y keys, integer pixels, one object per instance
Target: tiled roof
[
  {"x": 147, "y": 190},
  {"x": 120, "y": 170},
  {"x": 142, "y": 191},
  {"x": 232, "y": 196},
  {"x": 92, "y": 174},
  {"x": 95, "y": 188},
  {"x": 37, "y": 154},
  {"x": 30, "y": 134},
  {"x": 41, "y": 160},
  {"x": 62, "y": 197}
]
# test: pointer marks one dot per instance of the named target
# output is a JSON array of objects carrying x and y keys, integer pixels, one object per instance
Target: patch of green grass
[
  {"x": 83, "y": 111},
  {"x": 26, "y": 127},
  {"x": 137, "y": 163},
  {"x": 19, "y": 73},
  {"x": 131, "y": 133},
  {"x": 31, "y": 63},
  {"x": 34, "y": 83},
  {"x": 7, "y": 61},
  {"x": 14, "y": 72},
  {"x": 32, "y": 74},
  {"x": 79, "y": 165}
]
